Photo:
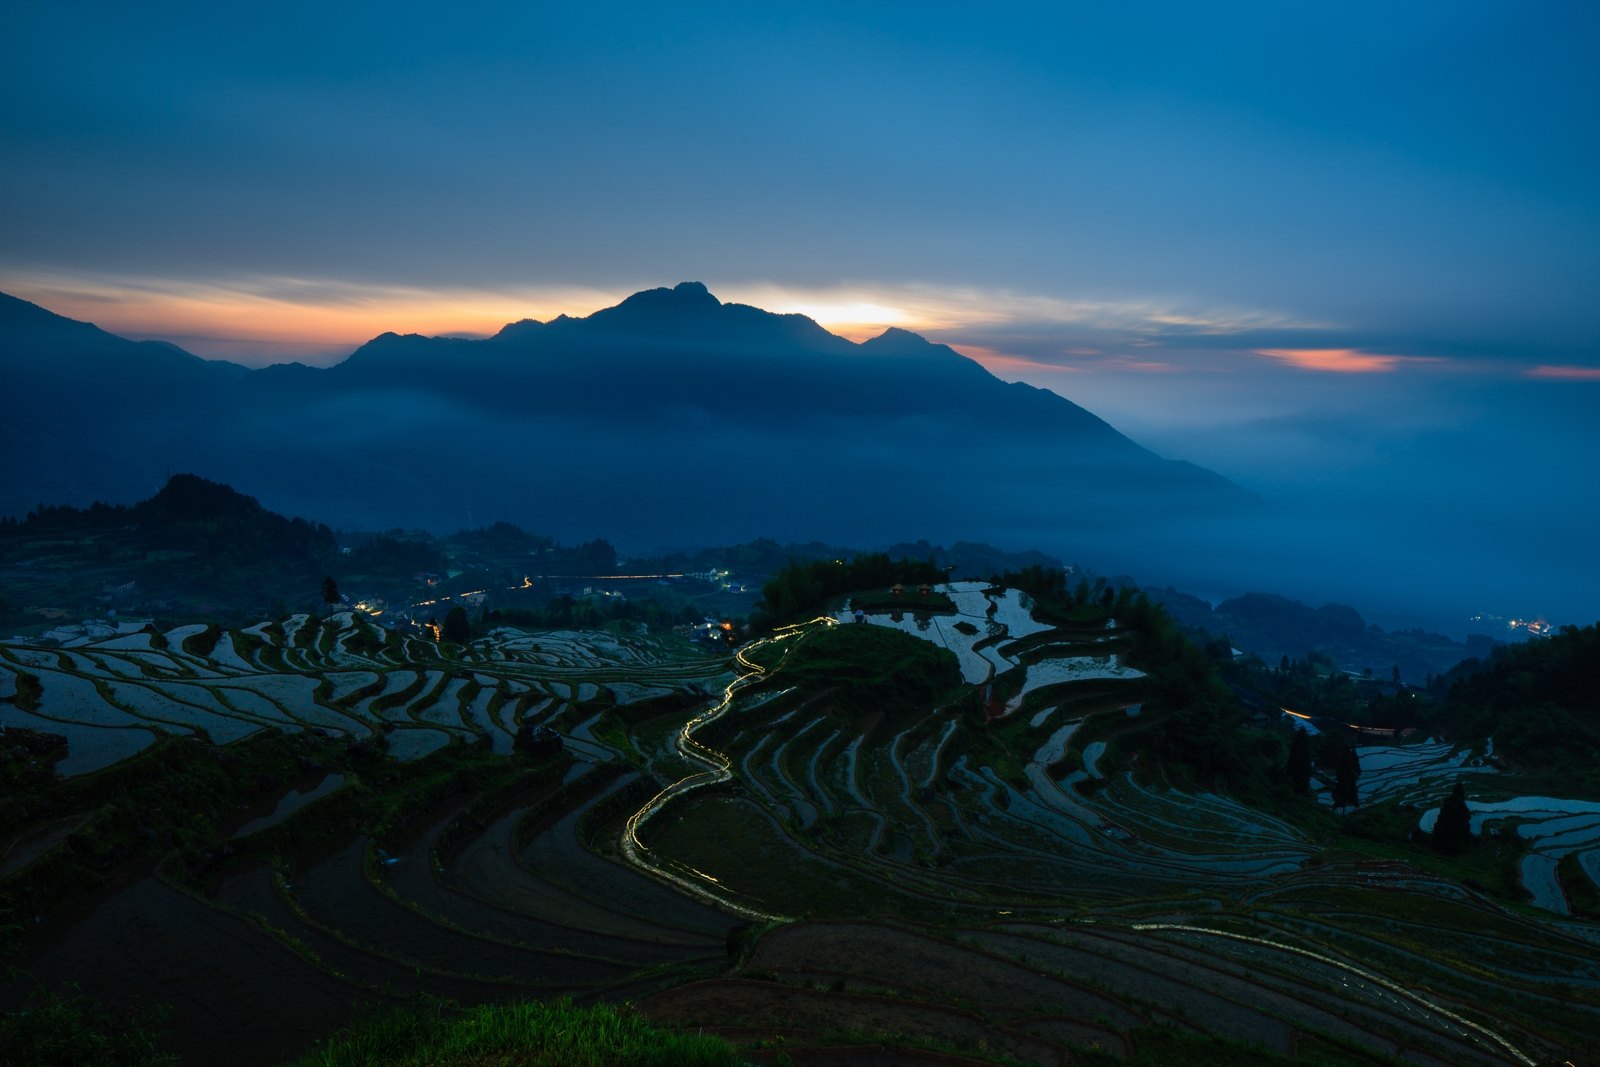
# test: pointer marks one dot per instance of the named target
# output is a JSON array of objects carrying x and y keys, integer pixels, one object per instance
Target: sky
[{"x": 1345, "y": 254}]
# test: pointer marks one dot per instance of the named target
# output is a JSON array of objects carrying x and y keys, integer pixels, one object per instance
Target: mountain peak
[
  {"x": 685, "y": 296},
  {"x": 694, "y": 290},
  {"x": 896, "y": 335},
  {"x": 522, "y": 328},
  {"x": 686, "y": 305},
  {"x": 895, "y": 342}
]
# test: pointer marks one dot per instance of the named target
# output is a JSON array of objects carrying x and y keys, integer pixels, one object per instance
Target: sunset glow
[
  {"x": 1565, "y": 374},
  {"x": 274, "y": 320},
  {"x": 260, "y": 320},
  {"x": 1336, "y": 360}
]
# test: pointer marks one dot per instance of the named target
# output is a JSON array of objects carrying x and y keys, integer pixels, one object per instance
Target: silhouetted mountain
[
  {"x": 670, "y": 418},
  {"x": 1272, "y": 627},
  {"x": 195, "y": 546},
  {"x": 82, "y": 410}
]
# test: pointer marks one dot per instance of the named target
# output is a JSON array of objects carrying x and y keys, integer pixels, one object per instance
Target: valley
[{"x": 942, "y": 833}]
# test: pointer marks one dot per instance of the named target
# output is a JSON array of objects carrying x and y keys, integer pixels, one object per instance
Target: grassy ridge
[
  {"x": 871, "y": 668},
  {"x": 521, "y": 1034}
]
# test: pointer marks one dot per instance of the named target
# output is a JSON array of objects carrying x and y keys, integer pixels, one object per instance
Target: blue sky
[{"x": 1347, "y": 252}]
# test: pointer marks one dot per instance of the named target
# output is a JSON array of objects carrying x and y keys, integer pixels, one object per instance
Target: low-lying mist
[{"x": 1403, "y": 557}]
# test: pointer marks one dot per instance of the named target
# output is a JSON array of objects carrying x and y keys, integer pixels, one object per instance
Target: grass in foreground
[
  {"x": 520, "y": 1034},
  {"x": 66, "y": 1031}
]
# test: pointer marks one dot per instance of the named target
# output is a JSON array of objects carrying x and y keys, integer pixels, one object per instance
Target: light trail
[
  {"x": 448, "y": 596},
  {"x": 600, "y": 577},
  {"x": 1377, "y": 979},
  {"x": 718, "y": 769}
]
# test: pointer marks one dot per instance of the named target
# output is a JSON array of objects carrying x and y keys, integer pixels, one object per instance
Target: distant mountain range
[{"x": 670, "y": 419}]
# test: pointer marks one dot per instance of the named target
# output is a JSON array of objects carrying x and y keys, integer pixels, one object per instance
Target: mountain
[
  {"x": 75, "y": 397},
  {"x": 196, "y": 548},
  {"x": 671, "y": 418},
  {"x": 1274, "y": 627}
]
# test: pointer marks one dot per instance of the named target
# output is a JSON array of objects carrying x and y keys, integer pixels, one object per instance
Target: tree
[
  {"x": 1452, "y": 833},
  {"x": 1299, "y": 764},
  {"x": 456, "y": 627},
  {"x": 330, "y": 593},
  {"x": 1347, "y": 770}
]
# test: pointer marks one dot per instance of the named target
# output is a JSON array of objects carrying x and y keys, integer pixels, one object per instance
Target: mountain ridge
[{"x": 623, "y": 416}]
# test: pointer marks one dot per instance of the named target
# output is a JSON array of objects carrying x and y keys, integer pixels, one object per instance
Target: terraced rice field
[
  {"x": 761, "y": 864},
  {"x": 111, "y": 695}
]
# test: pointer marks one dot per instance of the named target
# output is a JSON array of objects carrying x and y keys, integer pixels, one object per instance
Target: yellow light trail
[
  {"x": 600, "y": 577},
  {"x": 447, "y": 596},
  {"x": 718, "y": 769},
  {"x": 1378, "y": 979}
]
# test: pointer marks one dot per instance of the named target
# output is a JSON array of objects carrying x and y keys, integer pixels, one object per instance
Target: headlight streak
[
  {"x": 1368, "y": 975},
  {"x": 718, "y": 769}
]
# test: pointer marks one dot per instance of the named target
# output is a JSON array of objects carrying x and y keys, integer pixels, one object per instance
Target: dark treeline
[
  {"x": 1194, "y": 715},
  {"x": 867, "y": 669},
  {"x": 1197, "y": 719},
  {"x": 502, "y": 538},
  {"x": 596, "y": 558},
  {"x": 389, "y": 554},
  {"x": 189, "y": 513},
  {"x": 1539, "y": 701},
  {"x": 803, "y": 589},
  {"x": 1273, "y": 626},
  {"x": 1318, "y": 687}
]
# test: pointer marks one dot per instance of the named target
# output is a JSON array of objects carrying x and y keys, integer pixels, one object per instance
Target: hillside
[
  {"x": 198, "y": 550},
  {"x": 1273, "y": 627},
  {"x": 1538, "y": 702},
  {"x": 973, "y": 826}
]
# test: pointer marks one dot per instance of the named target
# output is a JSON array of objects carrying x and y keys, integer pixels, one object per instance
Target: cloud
[
  {"x": 1552, "y": 372},
  {"x": 1341, "y": 360},
  {"x": 1002, "y": 364},
  {"x": 267, "y": 319},
  {"x": 261, "y": 318},
  {"x": 932, "y": 307}
]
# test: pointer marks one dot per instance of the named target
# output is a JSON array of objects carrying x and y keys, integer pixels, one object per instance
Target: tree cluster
[
  {"x": 802, "y": 590},
  {"x": 1200, "y": 717},
  {"x": 1452, "y": 833},
  {"x": 1347, "y": 773},
  {"x": 1540, "y": 701},
  {"x": 871, "y": 668},
  {"x": 1298, "y": 767},
  {"x": 385, "y": 554}
]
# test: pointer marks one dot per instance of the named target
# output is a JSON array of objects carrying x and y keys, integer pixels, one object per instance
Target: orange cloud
[
  {"x": 1337, "y": 360},
  {"x": 275, "y": 317},
  {"x": 1552, "y": 372}
]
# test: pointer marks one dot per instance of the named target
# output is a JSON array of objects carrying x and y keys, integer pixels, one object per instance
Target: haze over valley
[{"x": 735, "y": 423}]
